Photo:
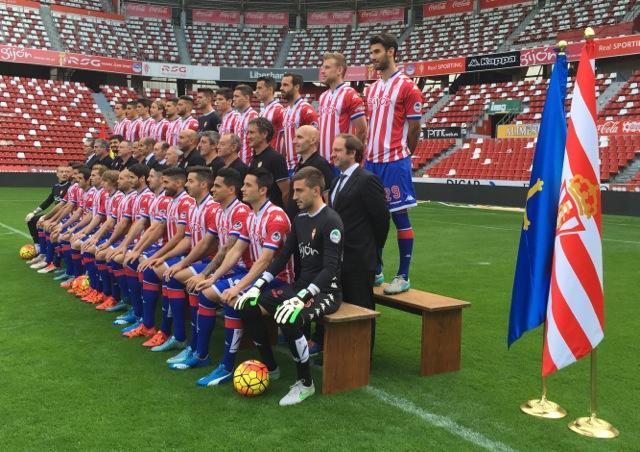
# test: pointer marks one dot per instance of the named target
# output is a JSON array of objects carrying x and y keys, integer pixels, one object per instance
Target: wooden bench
[
  {"x": 441, "y": 326},
  {"x": 347, "y": 348}
]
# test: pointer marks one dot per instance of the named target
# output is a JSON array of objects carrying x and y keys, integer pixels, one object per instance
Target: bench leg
[
  {"x": 346, "y": 358},
  {"x": 441, "y": 336}
]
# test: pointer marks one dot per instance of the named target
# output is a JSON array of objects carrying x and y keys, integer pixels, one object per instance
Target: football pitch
[{"x": 68, "y": 381}]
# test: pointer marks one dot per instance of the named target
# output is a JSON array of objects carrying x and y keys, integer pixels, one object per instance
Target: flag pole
[
  {"x": 592, "y": 426},
  {"x": 543, "y": 407}
]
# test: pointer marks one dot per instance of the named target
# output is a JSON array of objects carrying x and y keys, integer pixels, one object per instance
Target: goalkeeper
[{"x": 317, "y": 238}]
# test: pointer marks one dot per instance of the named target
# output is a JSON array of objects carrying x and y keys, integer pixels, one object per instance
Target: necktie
[{"x": 339, "y": 186}]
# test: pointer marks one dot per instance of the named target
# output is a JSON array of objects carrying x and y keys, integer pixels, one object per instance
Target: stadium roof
[{"x": 292, "y": 6}]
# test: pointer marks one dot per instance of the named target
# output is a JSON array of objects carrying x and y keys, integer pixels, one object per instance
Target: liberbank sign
[{"x": 252, "y": 74}]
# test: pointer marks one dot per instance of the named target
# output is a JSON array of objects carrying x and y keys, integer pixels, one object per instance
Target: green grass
[{"x": 69, "y": 382}]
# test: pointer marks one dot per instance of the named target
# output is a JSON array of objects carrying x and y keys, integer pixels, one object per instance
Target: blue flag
[{"x": 535, "y": 254}]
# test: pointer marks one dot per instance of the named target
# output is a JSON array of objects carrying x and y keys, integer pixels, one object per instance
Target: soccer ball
[
  {"x": 27, "y": 251},
  {"x": 251, "y": 378}
]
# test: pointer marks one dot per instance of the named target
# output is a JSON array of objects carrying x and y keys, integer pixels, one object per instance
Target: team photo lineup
[{"x": 275, "y": 216}]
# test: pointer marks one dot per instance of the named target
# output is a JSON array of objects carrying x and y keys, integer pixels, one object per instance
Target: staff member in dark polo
[
  {"x": 101, "y": 149},
  {"x": 188, "y": 143},
  {"x": 306, "y": 142},
  {"x": 260, "y": 134},
  {"x": 358, "y": 197}
]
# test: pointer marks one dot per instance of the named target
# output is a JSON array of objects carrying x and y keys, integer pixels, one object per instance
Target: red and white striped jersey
[
  {"x": 99, "y": 199},
  {"x": 228, "y": 122},
  {"x": 301, "y": 113},
  {"x": 121, "y": 127},
  {"x": 133, "y": 132},
  {"x": 125, "y": 210},
  {"x": 268, "y": 228},
  {"x": 242, "y": 127},
  {"x": 159, "y": 129},
  {"x": 87, "y": 202},
  {"x": 230, "y": 222},
  {"x": 158, "y": 213},
  {"x": 336, "y": 110},
  {"x": 172, "y": 131},
  {"x": 142, "y": 204},
  {"x": 80, "y": 196},
  {"x": 201, "y": 218},
  {"x": 274, "y": 113},
  {"x": 188, "y": 122},
  {"x": 113, "y": 203},
  {"x": 145, "y": 127},
  {"x": 72, "y": 194},
  {"x": 390, "y": 107},
  {"x": 178, "y": 212}
]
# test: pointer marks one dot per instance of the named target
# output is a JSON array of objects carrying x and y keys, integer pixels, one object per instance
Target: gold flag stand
[
  {"x": 593, "y": 426},
  {"x": 543, "y": 407}
]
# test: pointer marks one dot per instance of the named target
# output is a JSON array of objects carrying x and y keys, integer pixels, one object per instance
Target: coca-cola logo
[
  {"x": 437, "y": 6},
  {"x": 461, "y": 4},
  {"x": 13, "y": 54},
  {"x": 157, "y": 9},
  {"x": 608, "y": 127},
  {"x": 611, "y": 127}
]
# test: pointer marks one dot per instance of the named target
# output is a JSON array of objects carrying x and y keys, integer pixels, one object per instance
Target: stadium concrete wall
[{"x": 613, "y": 202}]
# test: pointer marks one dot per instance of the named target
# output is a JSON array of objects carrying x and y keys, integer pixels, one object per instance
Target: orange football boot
[
  {"x": 108, "y": 302},
  {"x": 141, "y": 331},
  {"x": 158, "y": 339}
]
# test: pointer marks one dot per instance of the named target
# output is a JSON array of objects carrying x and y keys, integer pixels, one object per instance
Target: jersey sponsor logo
[
  {"x": 335, "y": 236},
  {"x": 306, "y": 250}
]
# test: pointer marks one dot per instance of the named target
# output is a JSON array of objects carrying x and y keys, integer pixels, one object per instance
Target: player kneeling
[{"x": 317, "y": 238}]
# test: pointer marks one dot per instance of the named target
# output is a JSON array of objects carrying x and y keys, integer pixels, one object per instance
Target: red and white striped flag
[{"x": 575, "y": 314}]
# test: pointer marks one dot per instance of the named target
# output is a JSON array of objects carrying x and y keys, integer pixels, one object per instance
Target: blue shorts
[
  {"x": 396, "y": 179},
  {"x": 117, "y": 243},
  {"x": 174, "y": 260},
  {"x": 197, "y": 267},
  {"x": 151, "y": 250},
  {"x": 234, "y": 276},
  {"x": 103, "y": 239},
  {"x": 69, "y": 226}
]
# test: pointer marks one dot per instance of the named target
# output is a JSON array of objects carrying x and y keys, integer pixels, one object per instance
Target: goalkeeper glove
[
  {"x": 30, "y": 215},
  {"x": 290, "y": 309},
  {"x": 250, "y": 295}
]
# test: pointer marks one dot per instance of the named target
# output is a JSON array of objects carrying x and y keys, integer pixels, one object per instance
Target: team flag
[
  {"x": 575, "y": 314},
  {"x": 535, "y": 254}
]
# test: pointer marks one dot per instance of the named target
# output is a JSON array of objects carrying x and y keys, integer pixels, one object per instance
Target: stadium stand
[
  {"x": 44, "y": 122},
  {"x": 94, "y": 5},
  {"x": 115, "y": 93},
  {"x": 223, "y": 45},
  {"x": 22, "y": 27},
  {"x": 462, "y": 34},
  {"x": 627, "y": 101},
  {"x": 429, "y": 149},
  {"x": 309, "y": 45},
  {"x": 136, "y": 38},
  {"x": 558, "y": 16}
]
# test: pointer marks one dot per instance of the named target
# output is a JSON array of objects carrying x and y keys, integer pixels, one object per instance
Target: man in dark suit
[{"x": 358, "y": 197}]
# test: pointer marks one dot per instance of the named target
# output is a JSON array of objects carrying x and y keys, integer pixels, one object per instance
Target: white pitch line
[
  {"x": 15, "y": 231},
  {"x": 437, "y": 420}
]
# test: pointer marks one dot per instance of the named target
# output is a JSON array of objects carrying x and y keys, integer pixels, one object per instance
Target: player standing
[
  {"x": 122, "y": 123},
  {"x": 340, "y": 109},
  {"x": 242, "y": 101},
  {"x": 298, "y": 113},
  {"x": 394, "y": 107},
  {"x": 224, "y": 106},
  {"x": 272, "y": 110}
]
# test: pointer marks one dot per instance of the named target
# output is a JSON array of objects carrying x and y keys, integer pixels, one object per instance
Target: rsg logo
[
  {"x": 83, "y": 61},
  {"x": 173, "y": 69}
]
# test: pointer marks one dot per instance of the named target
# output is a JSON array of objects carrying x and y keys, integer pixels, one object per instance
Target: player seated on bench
[{"x": 317, "y": 237}]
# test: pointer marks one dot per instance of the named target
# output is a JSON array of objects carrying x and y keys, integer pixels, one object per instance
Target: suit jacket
[{"x": 362, "y": 206}]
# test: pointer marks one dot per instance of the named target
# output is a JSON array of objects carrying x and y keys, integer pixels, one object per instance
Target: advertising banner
[
  {"x": 487, "y": 4},
  {"x": 271, "y": 18},
  {"x": 181, "y": 71},
  {"x": 619, "y": 127},
  {"x": 505, "y": 106},
  {"x": 447, "y": 7},
  {"x": 143, "y": 10},
  {"x": 493, "y": 61},
  {"x": 215, "y": 16},
  {"x": 41, "y": 57},
  {"x": 251, "y": 74},
  {"x": 372, "y": 16},
  {"x": 330, "y": 18},
  {"x": 517, "y": 130},
  {"x": 435, "y": 133}
]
